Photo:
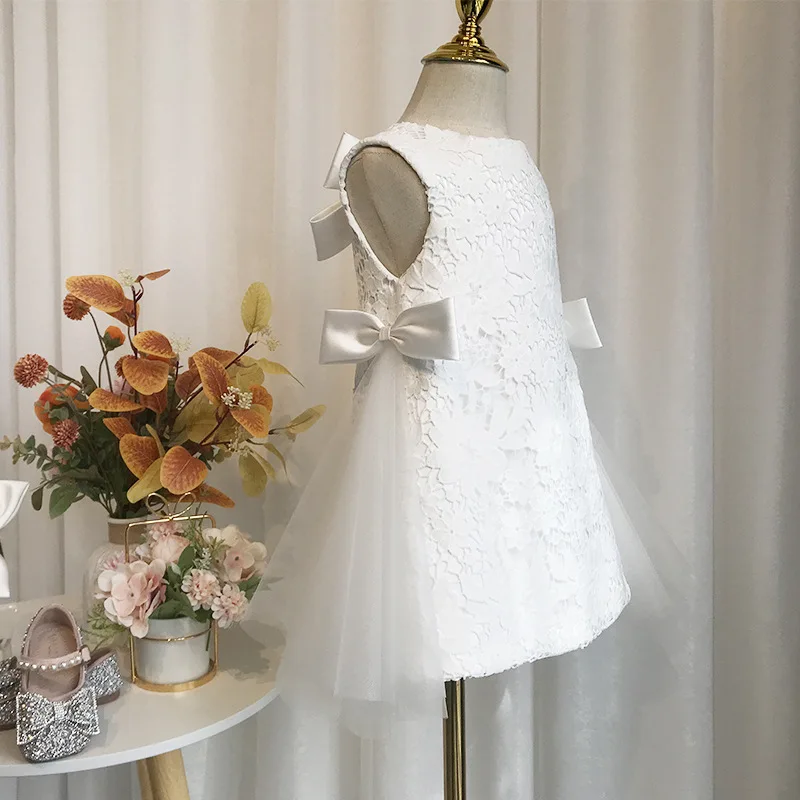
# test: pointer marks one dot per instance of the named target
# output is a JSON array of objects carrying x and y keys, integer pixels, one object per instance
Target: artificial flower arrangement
[
  {"x": 180, "y": 570},
  {"x": 148, "y": 422}
]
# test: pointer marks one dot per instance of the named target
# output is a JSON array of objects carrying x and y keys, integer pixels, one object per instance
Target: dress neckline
[{"x": 450, "y": 132}]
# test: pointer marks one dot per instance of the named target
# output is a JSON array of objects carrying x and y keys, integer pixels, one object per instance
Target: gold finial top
[{"x": 468, "y": 44}]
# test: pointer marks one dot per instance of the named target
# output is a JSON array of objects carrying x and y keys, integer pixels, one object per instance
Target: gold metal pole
[{"x": 455, "y": 765}]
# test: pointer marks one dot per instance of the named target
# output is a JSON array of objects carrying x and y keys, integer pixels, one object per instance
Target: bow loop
[
  {"x": 580, "y": 328},
  {"x": 426, "y": 331},
  {"x": 330, "y": 227}
]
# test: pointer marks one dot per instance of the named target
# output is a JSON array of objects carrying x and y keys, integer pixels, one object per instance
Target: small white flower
[
  {"x": 180, "y": 344},
  {"x": 234, "y": 397},
  {"x": 126, "y": 278},
  {"x": 268, "y": 338}
]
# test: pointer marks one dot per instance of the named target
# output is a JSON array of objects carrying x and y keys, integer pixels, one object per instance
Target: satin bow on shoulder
[
  {"x": 426, "y": 331},
  {"x": 331, "y": 229}
]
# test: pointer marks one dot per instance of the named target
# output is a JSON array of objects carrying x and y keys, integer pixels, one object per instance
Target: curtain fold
[{"x": 195, "y": 135}]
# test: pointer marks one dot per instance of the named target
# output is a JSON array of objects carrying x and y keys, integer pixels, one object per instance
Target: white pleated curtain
[{"x": 195, "y": 135}]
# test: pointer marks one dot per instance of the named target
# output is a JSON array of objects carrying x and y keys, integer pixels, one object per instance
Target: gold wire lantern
[{"x": 175, "y": 515}]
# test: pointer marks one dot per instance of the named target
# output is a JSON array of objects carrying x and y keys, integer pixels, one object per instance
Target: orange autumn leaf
[
  {"x": 153, "y": 343},
  {"x": 126, "y": 314},
  {"x": 180, "y": 471},
  {"x": 152, "y": 276},
  {"x": 212, "y": 375},
  {"x": 255, "y": 420},
  {"x": 187, "y": 382},
  {"x": 147, "y": 377},
  {"x": 119, "y": 426},
  {"x": 208, "y": 494},
  {"x": 223, "y": 356},
  {"x": 138, "y": 453},
  {"x": 262, "y": 397},
  {"x": 103, "y": 400},
  {"x": 99, "y": 291},
  {"x": 155, "y": 402}
]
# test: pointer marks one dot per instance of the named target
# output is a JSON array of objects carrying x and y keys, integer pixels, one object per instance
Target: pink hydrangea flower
[
  {"x": 201, "y": 587},
  {"x": 131, "y": 593},
  {"x": 229, "y": 606},
  {"x": 113, "y": 559},
  {"x": 243, "y": 558}
]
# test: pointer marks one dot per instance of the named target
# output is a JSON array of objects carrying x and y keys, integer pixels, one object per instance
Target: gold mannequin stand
[{"x": 455, "y": 765}]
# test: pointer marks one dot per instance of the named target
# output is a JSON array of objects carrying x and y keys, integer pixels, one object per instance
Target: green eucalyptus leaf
[
  {"x": 36, "y": 498},
  {"x": 61, "y": 498},
  {"x": 89, "y": 383}
]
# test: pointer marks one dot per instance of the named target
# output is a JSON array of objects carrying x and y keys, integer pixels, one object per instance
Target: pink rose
[{"x": 168, "y": 548}]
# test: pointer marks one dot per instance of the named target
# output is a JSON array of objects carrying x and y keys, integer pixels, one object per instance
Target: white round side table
[{"x": 150, "y": 727}]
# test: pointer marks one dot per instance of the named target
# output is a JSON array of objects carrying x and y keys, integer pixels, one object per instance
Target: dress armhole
[{"x": 385, "y": 193}]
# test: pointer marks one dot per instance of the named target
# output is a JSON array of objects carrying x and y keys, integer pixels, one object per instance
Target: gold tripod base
[
  {"x": 455, "y": 765},
  {"x": 163, "y": 777}
]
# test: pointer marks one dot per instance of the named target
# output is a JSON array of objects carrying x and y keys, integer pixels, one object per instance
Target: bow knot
[
  {"x": 426, "y": 331},
  {"x": 37, "y": 716}
]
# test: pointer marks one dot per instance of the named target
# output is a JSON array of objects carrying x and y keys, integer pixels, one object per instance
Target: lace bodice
[{"x": 521, "y": 550}]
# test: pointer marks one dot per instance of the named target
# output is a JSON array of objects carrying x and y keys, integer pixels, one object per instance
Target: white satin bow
[
  {"x": 426, "y": 331},
  {"x": 331, "y": 230}
]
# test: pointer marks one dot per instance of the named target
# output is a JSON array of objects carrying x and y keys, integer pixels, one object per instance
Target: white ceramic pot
[{"x": 174, "y": 662}]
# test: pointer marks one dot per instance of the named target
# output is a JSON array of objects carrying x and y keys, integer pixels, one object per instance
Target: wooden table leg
[
  {"x": 145, "y": 789},
  {"x": 165, "y": 777}
]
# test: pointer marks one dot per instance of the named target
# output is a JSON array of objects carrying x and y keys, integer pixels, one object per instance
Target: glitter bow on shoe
[{"x": 48, "y": 729}]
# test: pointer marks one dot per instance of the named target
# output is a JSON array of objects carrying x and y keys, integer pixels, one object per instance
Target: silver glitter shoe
[
  {"x": 56, "y": 709},
  {"x": 10, "y": 676},
  {"x": 102, "y": 672}
]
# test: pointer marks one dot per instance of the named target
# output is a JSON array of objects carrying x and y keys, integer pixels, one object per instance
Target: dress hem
[{"x": 539, "y": 655}]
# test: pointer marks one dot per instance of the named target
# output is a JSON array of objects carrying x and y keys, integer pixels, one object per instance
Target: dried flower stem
[{"x": 104, "y": 360}]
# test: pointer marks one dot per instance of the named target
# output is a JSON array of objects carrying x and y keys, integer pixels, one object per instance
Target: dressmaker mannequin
[
  {"x": 387, "y": 198},
  {"x": 462, "y": 88}
]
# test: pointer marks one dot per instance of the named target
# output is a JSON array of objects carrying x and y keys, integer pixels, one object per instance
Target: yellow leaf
[
  {"x": 149, "y": 482},
  {"x": 256, "y": 308},
  {"x": 274, "y": 368},
  {"x": 196, "y": 420},
  {"x": 246, "y": 376},
  {"x": 254, "y": 477},
  {"x": 268, "y": 468},
  {"x": 277, "y": 453},
  {"x": 302, "y": 422},
  {"x": 156, "y": 438}
]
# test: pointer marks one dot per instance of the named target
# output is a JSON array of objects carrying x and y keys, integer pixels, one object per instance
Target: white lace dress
[
  {"x": 457, "y": 525},
  {"x": 520, "y": 545}
]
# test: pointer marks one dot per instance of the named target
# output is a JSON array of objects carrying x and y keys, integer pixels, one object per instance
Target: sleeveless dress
[
  {"x": 457, "y": 524},
  {"x": 519, "y": 541}
]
